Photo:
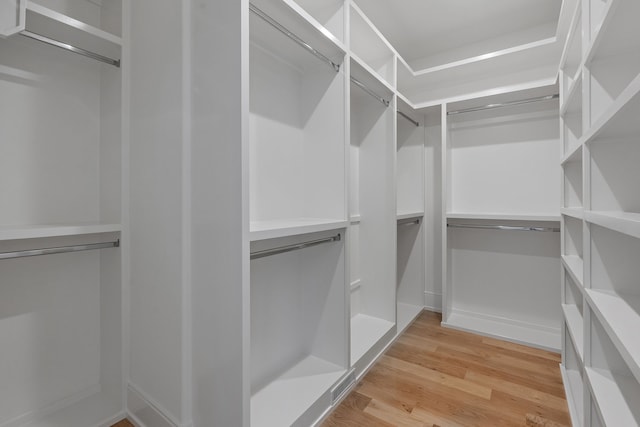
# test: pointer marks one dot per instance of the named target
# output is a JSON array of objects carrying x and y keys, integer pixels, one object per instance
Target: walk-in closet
[{"x": 249, "y": 213}]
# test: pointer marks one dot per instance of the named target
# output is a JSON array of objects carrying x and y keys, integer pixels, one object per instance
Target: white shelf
[
  {"x": 49, "y": 23},
  {"x": 571, "y": 380},
  {"x": 503, "y": 216},
  {"x": 59, "y": 230},
  {"x": 261, "y": 230},
  {"x": 406, "y": 313},
  {"x": 620, "y": 119},
  {"x": 573, "y": 318},
  {"x": 574, "y": 265},
  {"x": 409, "y": 215},
  {"x": 623, "y": 222},
  {"x": 366, "y": 331},
  {"x": 577, "y": 213},
  {"x": 573, "y": 101},
  {"x": 616, "y": 397},
  {"x": 527, "y": 334},
  {"x": 620, "y": 317},
  {"x": 355, "y": 219},
  {"x": 97, "y": 410},
  {"x": 574, "y": 155},
  {"x": 284, "y": 400},
  {"x": 617, "y": 33}
]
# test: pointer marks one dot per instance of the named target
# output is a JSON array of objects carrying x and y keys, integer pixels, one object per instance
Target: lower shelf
[
  {"x": 574, "y": 389},
  {"x": 286, "y": 399},
  {"x": 406, "y": 313},
  {"x": 518, "y": 332},
  {"x": 96, "y": 410},
  {"x": 615, "y": 396},
  {"x": 573, "y": 319},
  {"x": 366, "y": 331}
]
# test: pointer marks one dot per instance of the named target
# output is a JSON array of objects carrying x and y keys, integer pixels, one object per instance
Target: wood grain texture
[
  {"x": 437, "y": 377},
  {"x": 123, "y": 423}
]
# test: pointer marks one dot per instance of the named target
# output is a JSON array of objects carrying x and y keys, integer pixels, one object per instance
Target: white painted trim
[
  {"x": 138, "y": 401},
  {"x": 573, "y": 412},
  {"x": 433, "y": 301},
  {"x": 57, "y": 405}
]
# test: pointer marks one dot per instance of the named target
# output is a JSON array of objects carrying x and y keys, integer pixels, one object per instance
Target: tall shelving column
[{"x": 601, "y": 354}]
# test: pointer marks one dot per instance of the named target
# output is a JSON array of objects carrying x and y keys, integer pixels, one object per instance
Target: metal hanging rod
[
  {"x": 369, "y": 91},
  {"x": 506, "y": 227},
  {"x": 294, "y": 247},
  {"x": 74, "y": 49},
  {"x": 414, "y": 222},
  {"x": 504, "y": 104},
  {"x": 408, "y": 118},
  {"x": 269, "y": 20},
  {"x": 58, "y": 250}
]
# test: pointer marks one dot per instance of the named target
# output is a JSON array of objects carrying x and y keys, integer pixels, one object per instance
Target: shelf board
[
  {"x": 619, "y": 314},
  {"x": 284, "y": 400},
  {"x": 355, "y": 219},
  {"x": 363, "y": 72},
  {"x": 409, "y": 215},
  {"x": 503, "y": 216},
  {"x": 577, "y": 213},
  {"x": 572, "y": 156},
  {"x": 96, "y": 410},
  {"x": 620, "y": 120},
  {"x": 406, "y": 314},
  {"x": 623, "y": 222},
  {"x": 615, "y": 396},
  {"x": 49, "y": 23},
  {"x": 573, "y": 318},
  {"x": 261, "y": 230},
  {"x": 572, "y": 379},
  {"x": 618, "y": 31},
  {"x": 37, "y": 231},
  {"x": 366, "y": 331},
  {"x": 573, "y": 100},
  {"x": 574, "y": 265}
]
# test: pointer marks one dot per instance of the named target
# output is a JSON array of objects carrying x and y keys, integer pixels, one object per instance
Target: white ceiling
[{"x": 433, "y": 32}]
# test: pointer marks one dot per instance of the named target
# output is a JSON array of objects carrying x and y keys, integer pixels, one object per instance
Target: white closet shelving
[
  {"x": 61, "y": 180},
  {"x": 410, "y": 183},
  {"x": 500, "y": 208},
  {"x": 298, "y": 309},
  {"x": 600, "y": 212},
  {"x": 372, "y": 200}
]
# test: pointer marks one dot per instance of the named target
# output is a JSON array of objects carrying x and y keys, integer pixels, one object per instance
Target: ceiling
[{"x": 429, "y": 33}]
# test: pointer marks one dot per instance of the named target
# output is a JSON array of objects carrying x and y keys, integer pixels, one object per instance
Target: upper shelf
[
  {"x": 55, "y": 28},
  {"x": 618, "y": 32},
  {"x": 271, "y": 229},
  {"x": 55, "y": 230},
  {"x": 623, "y": 222},
  {"x": 503, "y": 216}
]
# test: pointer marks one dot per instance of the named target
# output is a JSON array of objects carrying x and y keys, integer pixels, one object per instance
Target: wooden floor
[
  {"x": 123, "y": 423},
  {"x": 439, "y": 377}
]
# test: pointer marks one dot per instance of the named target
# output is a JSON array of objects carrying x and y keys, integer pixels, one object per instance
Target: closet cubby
[
  {"x": 572, "y": 256},
  {"x": 299, "y": 333},
  {"x": 370, "y": 49},
  {"x": 572, "y": 307},
  {"x": 612, "y": 384},
  {"x": 61, "y": 315},
  {"x": 410, "y": 184},
  {"x": 571, "y": 116},
  {"x": 572, "y": 180},
  {"x": 293, "y": 94},
  {"x": 612, "y": 61},
  {"x": 572, "y": 57},
  {"x": 573, "y": 379},
  {"x": 372, "y": 207}
]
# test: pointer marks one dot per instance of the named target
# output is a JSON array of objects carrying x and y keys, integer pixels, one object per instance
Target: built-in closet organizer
[
  {"x": 297, "y": 157},
  {"x": 501, "y": 191},
  {"x": 410, "y": 189},
  {"x": 61, "y": 280},
  {"x": 600, "y": 106},
  {"x": 373, "y": 217}
]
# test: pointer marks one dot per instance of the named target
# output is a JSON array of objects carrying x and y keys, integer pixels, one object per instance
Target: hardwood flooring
[{"x": 437, "y": 377}]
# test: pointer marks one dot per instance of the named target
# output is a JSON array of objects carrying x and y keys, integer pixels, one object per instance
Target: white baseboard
[
  {"x": 516, "y": 331},
  {"x": 433, "y": 302},
  {"x": 143, "y": 411}
]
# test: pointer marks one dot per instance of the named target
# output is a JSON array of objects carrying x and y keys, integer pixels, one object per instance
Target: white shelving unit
[
  {"x": 600, "y": 212},
  {"x": 373, "y": 200},
  {"x": 410, "y": 182},
  {"x": 61, "y": 318},
  {"x": 491, "y": 198}
]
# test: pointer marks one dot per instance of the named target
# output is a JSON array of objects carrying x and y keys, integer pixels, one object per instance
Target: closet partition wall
[{"x": 502, "y": 240}]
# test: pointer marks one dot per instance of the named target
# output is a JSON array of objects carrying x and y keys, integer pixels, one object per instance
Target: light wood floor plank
[{"x": 439, "y": 377}]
